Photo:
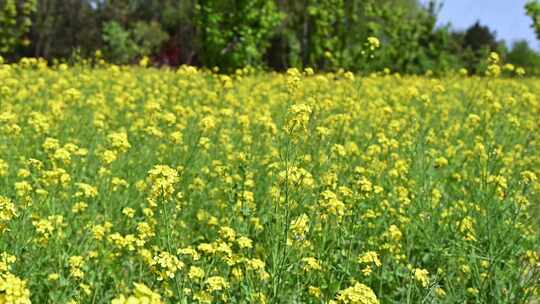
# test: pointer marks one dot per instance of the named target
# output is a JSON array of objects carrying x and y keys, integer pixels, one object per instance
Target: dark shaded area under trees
[{"x": 274, "y": 34}]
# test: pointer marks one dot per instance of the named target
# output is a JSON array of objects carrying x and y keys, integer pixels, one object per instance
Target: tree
[
  {"x": 532, "y": 8},
  {"x": 478, "y": 37},
  {"x": 234, "y": 33},
  {"x": 15, "y": 21},
  {"x": 523, "y": 55},
  {"x": 332, "y": 34},
  {"x": 323, "y": 34},
  {"x": 411, "y": 43},
  {"x": 476, "y": 44},
  {"x": 62, "y": 27},
  {"x": 125, "y": 45}
]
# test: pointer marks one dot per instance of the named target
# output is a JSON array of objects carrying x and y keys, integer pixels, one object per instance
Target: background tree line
[{"x": 276, "y": 34}]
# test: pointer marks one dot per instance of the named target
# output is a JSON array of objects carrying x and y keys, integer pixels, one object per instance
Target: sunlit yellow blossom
[
  {"x": 195, "y": 273},
  {"x": 141, "y": 294},
  {"x": 119, "y": 141},
  {"x": 244, "y": 242},
  {"x": 299, "y": 118},
  {"x": 13, "y": 290},
  {"x": 129, "y": 212},
  {"x": 7, "y": 212},
  {"x": 357, "y": 294},
  {"x": 315, "y": 292},
  {"x": 311, "y": 264},
  {"x": 216, "y": 283},
  {"x": 373, "y": 43},
  {"x": 299, "y": 227},
  {"x": 422, "y": 276},
  {"x": 53, "y": 277},
  {"x": 167, "y": 265},
  {"x": 163, "y": 179},
  {"x": 370, "y": 257}
]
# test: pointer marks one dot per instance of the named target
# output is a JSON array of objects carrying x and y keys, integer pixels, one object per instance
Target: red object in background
[{"x": 170, "y": 56}]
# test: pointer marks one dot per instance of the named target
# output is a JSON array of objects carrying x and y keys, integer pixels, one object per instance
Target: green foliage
[
  {"x": 411, "y": 43},
  {"x": 15, "y": 21},
  {"x": 325, "y": 35},
  {"x": 325, "y": 45},
  {"x": 148, "y": 37},
  {"x": 235, "y": 33},
  {"x": 478, "y": 37},
  {"x": 522, "y": 55},
  {"x": 125, "y": 45},
  {"x": 121, "y": 46},
  {"x": 472, "y": 46},
  {"x": 533, "y": 10}
]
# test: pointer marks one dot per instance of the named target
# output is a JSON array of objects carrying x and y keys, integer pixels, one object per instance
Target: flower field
[{"x": 139, "y": 185}]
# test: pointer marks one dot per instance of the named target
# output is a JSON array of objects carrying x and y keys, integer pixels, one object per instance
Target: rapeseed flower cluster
[
  {"x": 141, "y": 295},
  {"x": 13, "y": 290}
]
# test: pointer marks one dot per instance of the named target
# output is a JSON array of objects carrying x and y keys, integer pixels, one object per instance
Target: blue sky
[{"x": 506, "y": 17}]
